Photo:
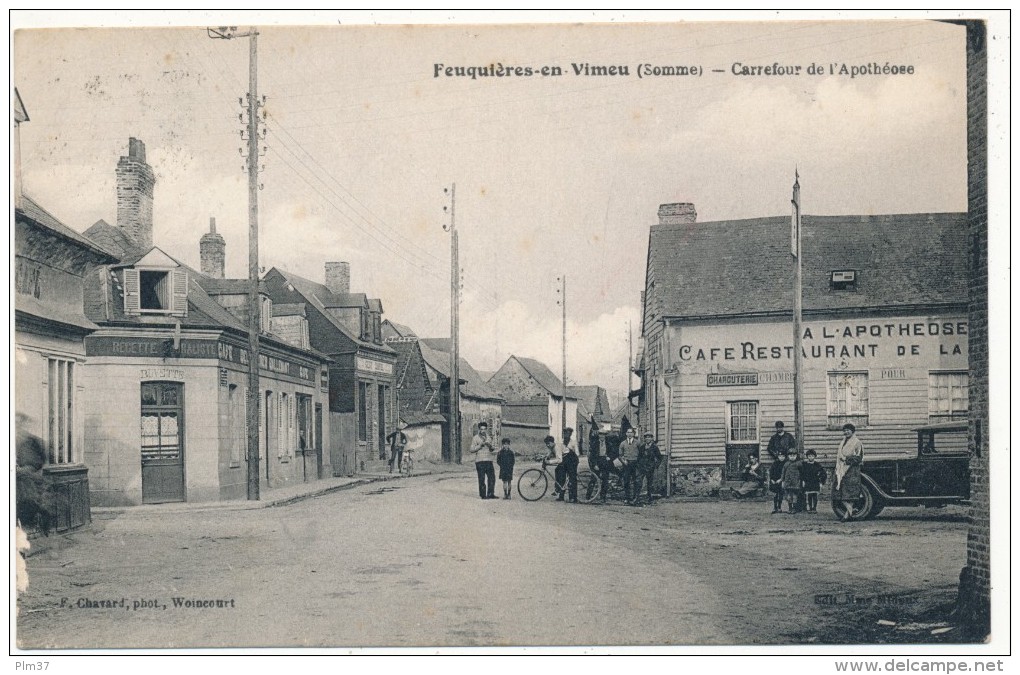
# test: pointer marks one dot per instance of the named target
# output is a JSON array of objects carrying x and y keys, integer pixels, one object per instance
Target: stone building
[
  {"x": 423, "y": 388},
  {"x": 50, "y": 263},
  {"x": 165, "y": 416},
  {"x": 975, "y": 580},
  {"x": 534, "y": 403},
  {"x": 885, "y": 332},
  {"x": 346, "y": 327}
]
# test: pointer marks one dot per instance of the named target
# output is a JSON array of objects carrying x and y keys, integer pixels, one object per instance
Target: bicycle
[
  {"x": 589, "y": 487},
  {"x": 534, "y": 483},
  {"x": 408, "y": 462}
]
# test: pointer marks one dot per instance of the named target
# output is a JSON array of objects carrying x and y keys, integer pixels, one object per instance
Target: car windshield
[{"x": 943, "y": 441}]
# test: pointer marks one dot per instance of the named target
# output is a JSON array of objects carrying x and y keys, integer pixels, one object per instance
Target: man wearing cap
[
  {"x": 780, "y": 443},
  {"x": 649, "y": 458},
  {"x": 628, "y": 472}
]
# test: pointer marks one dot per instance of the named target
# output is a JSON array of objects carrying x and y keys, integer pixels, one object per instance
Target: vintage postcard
[{"x": 606, "y": 333}]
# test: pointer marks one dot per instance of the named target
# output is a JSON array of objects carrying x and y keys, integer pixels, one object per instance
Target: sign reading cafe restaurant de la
[{"x": 883, "y": 338}]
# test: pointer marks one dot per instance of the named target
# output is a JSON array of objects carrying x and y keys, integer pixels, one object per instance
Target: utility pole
[
  {"x": 564, "y": 303},
  {"x": 455, "y": 449},
  {"x": 795, "y": 222},
  {"x": 630, "y": 359},
  {"x": 254, "y": 308}
]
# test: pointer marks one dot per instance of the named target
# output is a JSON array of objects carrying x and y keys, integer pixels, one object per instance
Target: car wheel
[{"x": 863, "y": 508}]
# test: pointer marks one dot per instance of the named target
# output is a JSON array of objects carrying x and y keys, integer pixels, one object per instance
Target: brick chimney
[
  {"x": 338, "y": 277},
  {"x": 677, "y": 214},
  {"x": 135, "y": 181},
  {"x": 212, "y": 251}
]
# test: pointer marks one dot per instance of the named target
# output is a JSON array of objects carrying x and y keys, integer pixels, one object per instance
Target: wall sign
[
  {"x": 373, "y": 366},
  {"x": 161, "y": 374},
  {"x": 732, "y": 379}
]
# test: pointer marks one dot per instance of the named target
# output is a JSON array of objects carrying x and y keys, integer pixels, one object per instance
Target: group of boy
[
  {"x": 796, "y": 481},
  {"x": 635, "y": 463}
]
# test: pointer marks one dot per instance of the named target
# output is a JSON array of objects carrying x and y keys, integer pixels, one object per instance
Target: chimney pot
[{"x": 677, "y": 213}]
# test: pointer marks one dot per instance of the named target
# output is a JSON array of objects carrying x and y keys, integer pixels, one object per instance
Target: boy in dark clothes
[
  {"x": 776, "y": 482},
  {"x": 812, "y": 475},
  {"x": 505, "y": 461}
]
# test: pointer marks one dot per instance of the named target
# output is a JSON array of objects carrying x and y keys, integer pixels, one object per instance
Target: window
[
  {"x": 266, "y": 314},
  {"x": 362, "y": 411},
  {"x": 60, "y": 436},
  {"x": 843, "y": 280},
  {"x": 272, "y": 438},
  {"x": 236, "y": 426},
  {"x": 283, "y": 419},
  {"x": 947, "y": 396},
  {"x": 848, "y": 399},
  {"x": 161, "y": 418},
  {"x": 742, "y": 422},
  {"x": 155, "y": 291}
]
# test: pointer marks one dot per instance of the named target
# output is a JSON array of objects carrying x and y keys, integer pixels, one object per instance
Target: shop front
[
  {"x": 725, "y": 384},
  {"x": 166, "y": 423}
]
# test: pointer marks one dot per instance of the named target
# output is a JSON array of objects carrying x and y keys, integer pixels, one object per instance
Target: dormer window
[
  {"x": 156, "y": 285},
  {"x": 843, "y": 280}
]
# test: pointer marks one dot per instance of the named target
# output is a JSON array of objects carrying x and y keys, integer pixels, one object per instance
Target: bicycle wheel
[
  {"x": 532, "y": 485},
  {"x": 588, "y": 485}
]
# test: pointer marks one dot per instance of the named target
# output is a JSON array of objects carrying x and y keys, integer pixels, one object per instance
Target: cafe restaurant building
[
  {"x": 166, "y": 382},
  {"x": 884, "y": 332}
]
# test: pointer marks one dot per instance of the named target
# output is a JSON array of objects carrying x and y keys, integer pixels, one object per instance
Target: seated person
[{"x": 753, "y": 478}]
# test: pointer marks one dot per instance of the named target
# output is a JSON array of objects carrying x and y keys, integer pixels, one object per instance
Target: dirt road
[{"x": 423, "y": 561}]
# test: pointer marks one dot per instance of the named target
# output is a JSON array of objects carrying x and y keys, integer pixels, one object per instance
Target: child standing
[
  {"x": 812, "y": 475},
  {"x": 792, "y": 487},
  {"x": 776, "y": 482},
  {"x": 505, "y": 459}
]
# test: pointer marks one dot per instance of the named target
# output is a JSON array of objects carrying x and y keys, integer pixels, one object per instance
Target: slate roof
[
  {"x": 439, "y": 360},
  {"x": 320, "y": 297},
  {"x": 226, "y": 286},
  {"x": 30, "y": 209},
  {"x": 203, "y": 310},
  {"x": 289, "y": 309},
  {"x": 396, "y": 329},
  {"x": 739, "y": 267},
  {"x": 542, "y": 375},
  {"x": 113, "y": 239},
  {"x": 587, "y": 400}
]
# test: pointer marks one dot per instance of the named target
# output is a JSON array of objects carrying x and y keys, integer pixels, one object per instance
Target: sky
[{"x": 555, "y": 175}]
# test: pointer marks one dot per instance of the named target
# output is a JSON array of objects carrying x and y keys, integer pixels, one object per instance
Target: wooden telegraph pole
[
  {"x": 798, "y": 408},
  {"x": 254, "y": 308},
  {"x": 563, "y": 416},
  {"x": 455, "y": 449}
]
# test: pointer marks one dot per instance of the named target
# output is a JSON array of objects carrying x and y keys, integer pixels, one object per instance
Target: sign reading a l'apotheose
[
  {"x": 373, "y": 366},
  {"x": 732, "y": 379}
]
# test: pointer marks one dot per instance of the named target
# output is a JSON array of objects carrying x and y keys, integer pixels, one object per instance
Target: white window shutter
[
  {"x": 180, "y": 293},
  {"x": 132, "y": 292}
]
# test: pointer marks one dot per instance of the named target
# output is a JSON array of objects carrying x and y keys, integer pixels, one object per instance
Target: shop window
[
  {"x": 272, "y": 438},
  {"x": 362, "y": 411},
  {"x": 162, "y": 410},
  {"x": 284, "y": 426},
  {"x": 742, "y": 422},
  {"x": 60, "y": 437},
  {"x": 848, "y": 399},
  {"x": 947, "y": 396},
  {"x": 156, "y": 291}
]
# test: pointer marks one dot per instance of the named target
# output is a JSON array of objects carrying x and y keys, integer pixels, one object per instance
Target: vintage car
[{"x": 938, "y": 475}]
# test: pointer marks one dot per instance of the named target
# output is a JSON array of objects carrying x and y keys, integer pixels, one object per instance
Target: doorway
[{"x": 162, "y": 446}]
